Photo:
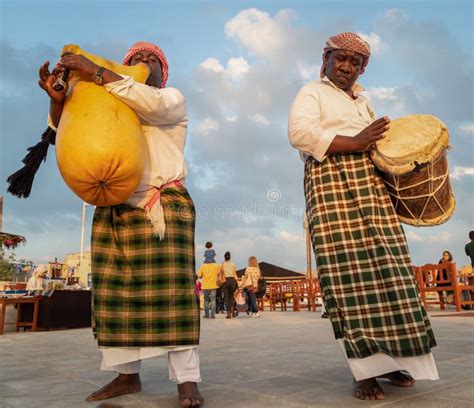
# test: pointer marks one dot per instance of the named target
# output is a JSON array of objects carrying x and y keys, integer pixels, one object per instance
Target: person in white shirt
[
  {"x": 363, "y": 261},
  {"x": 36, "y": 282},
  {"x": 143, "y": 261}
]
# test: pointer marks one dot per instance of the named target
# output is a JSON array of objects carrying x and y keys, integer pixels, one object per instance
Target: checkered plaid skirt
[
  {"x": 144, "y": 289},
  {"x": 363, "y": 261}
]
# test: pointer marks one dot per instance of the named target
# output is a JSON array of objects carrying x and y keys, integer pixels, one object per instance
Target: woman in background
[
  {"x": 250, "y": 284},
  {"x": 443, "y": 275}
]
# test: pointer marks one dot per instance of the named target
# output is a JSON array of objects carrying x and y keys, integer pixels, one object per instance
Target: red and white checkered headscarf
[
  {"x": 346, "y": 41},
  {"x": 146, "y": 46}
]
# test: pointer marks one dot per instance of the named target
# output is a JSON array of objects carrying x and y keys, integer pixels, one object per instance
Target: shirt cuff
[
  {"x": 125, "y": 82},
  {"x": 50, "y": 124},
  {"x": 325, "y": 140}
]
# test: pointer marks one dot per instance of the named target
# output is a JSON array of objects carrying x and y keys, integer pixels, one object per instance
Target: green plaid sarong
[
  {"x": 363, "y": 261},
  {"x": 144, "y": 289}
]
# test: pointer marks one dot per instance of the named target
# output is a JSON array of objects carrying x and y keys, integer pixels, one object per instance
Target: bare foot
[
  {"x": 400, "y": 378},
  {"x": 123, "y": 384},
  {"x": 189, "y": 395},
  {"x": 367, "y": 389}
]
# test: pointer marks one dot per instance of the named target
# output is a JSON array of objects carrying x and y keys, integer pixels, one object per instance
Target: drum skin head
[
  {"x": 411, "y": 141},
  {"x": 413, "y": 164}
]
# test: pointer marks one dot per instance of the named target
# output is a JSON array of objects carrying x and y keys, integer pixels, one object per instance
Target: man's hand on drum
[
  {"x": 79, "y": 63},
  {"x": 47, "y": 79},
  {"x": 367, "y": 138}
]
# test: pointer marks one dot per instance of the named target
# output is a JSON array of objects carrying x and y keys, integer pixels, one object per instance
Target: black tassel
[{"x": 20, "y": 182}]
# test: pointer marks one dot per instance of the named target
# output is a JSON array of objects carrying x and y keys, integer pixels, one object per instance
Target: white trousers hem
[
  {"x": 420, "y": 367},
  {"x": 183, "y": 366}
]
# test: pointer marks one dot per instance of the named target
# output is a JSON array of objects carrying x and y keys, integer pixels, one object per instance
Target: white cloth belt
[{"x": 150, "y": 201}]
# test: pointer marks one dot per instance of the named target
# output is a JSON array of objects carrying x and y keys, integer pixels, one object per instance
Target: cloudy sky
[{"x": 240, "y": 64}]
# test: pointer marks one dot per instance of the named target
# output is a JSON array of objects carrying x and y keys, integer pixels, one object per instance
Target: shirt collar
[{"x": 356, "y": 88}]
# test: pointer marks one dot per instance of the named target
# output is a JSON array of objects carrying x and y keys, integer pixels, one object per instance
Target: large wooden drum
[{"x": 412, "y": 159}]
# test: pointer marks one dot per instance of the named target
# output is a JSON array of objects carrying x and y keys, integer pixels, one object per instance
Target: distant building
[
  {"x": 75, "y": 268},
  {"x": 274, "y": 272}
]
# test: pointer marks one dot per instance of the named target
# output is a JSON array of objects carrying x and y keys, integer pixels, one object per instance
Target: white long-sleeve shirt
[
  {"x": 321, "y": 111},
  {"x": 162, "y": 113}
]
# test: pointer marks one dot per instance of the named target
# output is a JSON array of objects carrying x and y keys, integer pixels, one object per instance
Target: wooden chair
[
  {"x": 276, "y": 296},
  {"x": 466, "y": 284},
  {"x": 429, "y": 276},
  {"x": 272, "y": 288},
  {"x": 288, "y": 293},
  {"x": 317, "y": 293},
  {"x": 305, "y": 290}
]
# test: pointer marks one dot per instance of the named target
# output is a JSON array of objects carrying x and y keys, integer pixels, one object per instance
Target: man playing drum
[
  {"x": 143, "y": 260},
  {"x": 361, "y": 251}
]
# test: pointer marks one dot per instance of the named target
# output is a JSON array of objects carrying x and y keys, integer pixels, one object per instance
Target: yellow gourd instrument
[{"x": 99, "y": 143}]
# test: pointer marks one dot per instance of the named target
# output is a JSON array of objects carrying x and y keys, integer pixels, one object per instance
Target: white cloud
[
  {"x": 413, "y": 236},
  {"x": 289, "y": 237},
  {"x": 428, "y": 48},
  {"x": 221, "y": 129},
  {"x": 444, "y": 236},
  {"x": 212, "y": 174},
  {"x": 207, "y": 126},
  {"x": 212, "y": 64},
  {"x": 375, "y": 42},
  {"x": 467, "y": 128},
  {"x": 236, "y": 68},
  {"x": 459, "y": 172},
  {"x": 261, "y": 34},
  {"x": 260, "y": 119},
  {"x": 381, "y": 93},
  {"x": 263, "y": 97},
  {"x": 309, "y": 71},
  {"x": 387, "y": 100}
]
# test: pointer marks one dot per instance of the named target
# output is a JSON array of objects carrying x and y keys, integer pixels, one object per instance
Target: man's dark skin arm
[
  {"x": 73, "y": 62},
  {"x": 80, "y": 63},
  {"x": 363, "y": 141},
  {"x": 46, "y": 82},
  {"x": 88, "y": 68}
]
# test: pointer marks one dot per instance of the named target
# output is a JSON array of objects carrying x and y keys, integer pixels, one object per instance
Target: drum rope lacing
[{"x": 430, "y": 195}]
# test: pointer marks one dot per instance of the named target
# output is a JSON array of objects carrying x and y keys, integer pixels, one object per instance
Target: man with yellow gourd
[{"x": 143, "y": 265}]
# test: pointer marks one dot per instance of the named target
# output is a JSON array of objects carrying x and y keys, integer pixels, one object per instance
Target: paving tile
[
  {"x": 281, "y": 385},
  {"x": 460, "y": 391},
  {"x": 5, "y": 390},
  {"x": 25, "y": 371},
  {"x": 56, "y": 386},
  {"x": 52, "y": 401},
  {"x": 427, "y": 401},
  {"x": 283, "y": 359}
]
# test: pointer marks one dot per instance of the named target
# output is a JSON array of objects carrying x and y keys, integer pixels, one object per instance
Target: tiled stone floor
[{"x": 283, "y": 359}]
